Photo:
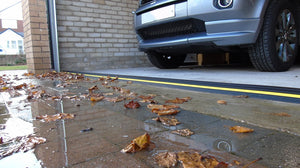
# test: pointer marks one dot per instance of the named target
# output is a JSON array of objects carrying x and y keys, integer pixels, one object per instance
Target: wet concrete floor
[{"x": 275, "y": 139}]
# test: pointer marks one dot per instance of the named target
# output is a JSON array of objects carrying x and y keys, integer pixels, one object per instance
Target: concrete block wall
[{"x": 97, "y": 34}]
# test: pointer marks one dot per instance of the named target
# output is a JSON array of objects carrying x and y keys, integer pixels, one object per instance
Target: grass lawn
[{"x": 19, "y": 67}]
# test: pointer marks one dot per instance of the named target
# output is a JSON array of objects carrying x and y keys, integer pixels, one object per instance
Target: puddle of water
[
  {"x": 16, "y": 160},
  {"x": 16, "y": 121},
  {"x": 113, "y": 127}
]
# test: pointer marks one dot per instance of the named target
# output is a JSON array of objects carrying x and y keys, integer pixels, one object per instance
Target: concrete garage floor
[
  {"x": 275, "y": 138},
  {"x": 226, "y": 74}
]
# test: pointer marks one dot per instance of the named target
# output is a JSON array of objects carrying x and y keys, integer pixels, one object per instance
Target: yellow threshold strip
[{"x": 209, "y": 87}]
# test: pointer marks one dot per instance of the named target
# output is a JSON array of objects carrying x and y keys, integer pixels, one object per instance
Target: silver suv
[{"x": 168, "y": 30}]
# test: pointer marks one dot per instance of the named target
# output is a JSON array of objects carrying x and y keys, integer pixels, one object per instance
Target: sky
[{"x": 12, "y": 13}]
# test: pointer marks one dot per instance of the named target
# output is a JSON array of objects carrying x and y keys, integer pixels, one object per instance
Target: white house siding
[{"x": 11, "y": 43}]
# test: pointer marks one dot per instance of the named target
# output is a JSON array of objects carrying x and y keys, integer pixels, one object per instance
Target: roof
[{"x": 18, "y": 33}]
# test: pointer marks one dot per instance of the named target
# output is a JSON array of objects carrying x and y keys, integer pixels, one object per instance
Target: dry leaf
[
  {"x": 178, "y": 100},
  {"x": 210, "y": 162},
  {"x": 97, "y": 99},
  {"x": 4, "y": 88},
  {"x": 56, "y": 98},
  {"x": 137, "y": 144},
  {"x": 167, "y": 121},
  {"x": 132, "y": 105},
  {"x": 190, "y": 160},
  {"x": 240, "y": 129},
  {"x": 183, "y": 132},
  {"x": 18, "y": 87},
  {"x": 236, "y": 162},
  {"x": 222, "y": 102},
  {"x": 114, "y": 99},
  {"x": 166, "y": 159},
  {"x": 165, "y": 112},
  {"x": 161, "y": 107},
  {"x": 242, "y": 96},
  {"x": 28, "y": 74},
  {"x": 61, "y": 116},
  {"x": 115, "y": 79},
  {"x": 282, "y": 114},
  {"x": 91, "y": 89},
  {"x": 147, "y": 99},
  {"x": 124, "y": 91}
]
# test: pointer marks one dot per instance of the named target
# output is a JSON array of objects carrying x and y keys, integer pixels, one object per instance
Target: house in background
[
  {"x": 11, "y": 42},
  {"x": 11, "y": 37},
  {"x": 11, "y": 28}
]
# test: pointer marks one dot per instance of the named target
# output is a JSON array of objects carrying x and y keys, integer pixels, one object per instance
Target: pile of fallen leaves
[
  {"x": 188, "y": 160},
  {"x": 167, "y": 110},
  {"x": 19, "y": 144}
]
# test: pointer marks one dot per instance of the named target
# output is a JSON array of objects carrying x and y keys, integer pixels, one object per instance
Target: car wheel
[
  {"x": 277, "y": 44},
  {"x": 165, "y": 61}
]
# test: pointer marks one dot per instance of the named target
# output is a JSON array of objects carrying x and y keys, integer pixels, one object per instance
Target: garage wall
[{"x": 97, "y": 34}]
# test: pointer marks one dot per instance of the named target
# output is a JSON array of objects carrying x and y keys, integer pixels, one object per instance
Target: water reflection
[{"x": 16, "y": 127}]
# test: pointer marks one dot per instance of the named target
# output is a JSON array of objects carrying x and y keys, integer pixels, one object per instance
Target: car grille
[{"x": 183, "y": 27}]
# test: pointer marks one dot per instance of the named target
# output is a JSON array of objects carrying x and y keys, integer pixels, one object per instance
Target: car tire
[
  {"x": 277, "y": 44},
  {"x": 166, "y": 61}
]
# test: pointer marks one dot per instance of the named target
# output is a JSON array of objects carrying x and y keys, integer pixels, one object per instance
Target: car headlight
[{"x": 223, "y": 4}]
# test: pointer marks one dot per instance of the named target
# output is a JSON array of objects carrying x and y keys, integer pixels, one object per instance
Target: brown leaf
[
  {"x": 161, "y": 107},
  {"x": 18, "y": 87},
  {"x": 183, "y": 132},
  {"x": 166, "y": 159},
  {"x": 56, "y": 98},
  {"x": 190, "y": 160},
  {"x": 178, "y": 100},
  {"x": 28, "y": 74},
  {"x": 137, "y": 144},
  {"x": 283, "y": 114},
  {"x": 167, "y": 121},
  {"x": 222, "y": 102},
  {"x": 114, "y": 99},
  {"x": 236, "y": 162},
  {"x": 91, "y": 89},
  {"x": 165, "y": 112},
  {"x": 132, "y": 105},
  {"x": 242, "y": 96},
  {"x": 147, "y": 99},
  {"x": 124, "y": 91},
  {"x": 97, "y": 99},
  {"x": 210, "y": 162},
  {"x": 240, "y": 129}
]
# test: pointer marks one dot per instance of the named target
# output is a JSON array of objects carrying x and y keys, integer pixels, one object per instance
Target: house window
[
  {"x": 13, "y": 44},
  {"x": 20, "y": 46},
  {"x": 20, "y": 43},
  {"x": 8, "y": 44}
]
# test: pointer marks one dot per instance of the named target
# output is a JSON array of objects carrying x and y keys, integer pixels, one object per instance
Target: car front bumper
[{"x": 238, "y": 25}]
